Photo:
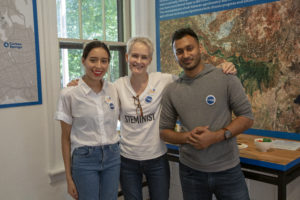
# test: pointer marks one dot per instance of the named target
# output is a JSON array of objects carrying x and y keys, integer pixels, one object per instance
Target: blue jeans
[
  {"x": 96, "y": 172},
  {"x": 225, "y": 185},
  {"x": 157, "y": 173}
]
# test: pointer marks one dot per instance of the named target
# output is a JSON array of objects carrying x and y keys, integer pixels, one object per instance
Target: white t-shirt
[
  {"x": 140, "y": 139},
  {"x": 93, "y": 116}
]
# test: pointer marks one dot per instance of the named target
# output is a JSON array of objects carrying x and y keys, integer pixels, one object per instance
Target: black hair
[
  {"x": 180, "y": 33},
  {"x": 95, "y": 44}
]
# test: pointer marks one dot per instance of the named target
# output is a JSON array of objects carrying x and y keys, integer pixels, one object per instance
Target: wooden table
[
  {"x": 276, "y": 166},
  {"x": 279, "y": 166}
]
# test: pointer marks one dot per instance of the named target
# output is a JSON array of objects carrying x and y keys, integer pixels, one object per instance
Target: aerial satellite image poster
[{"x": 261, "y": 39}]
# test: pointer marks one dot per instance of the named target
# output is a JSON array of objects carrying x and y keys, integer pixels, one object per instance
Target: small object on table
[
  {"x": 263, "y": 144},
  {"x": 242, "y": 145}
]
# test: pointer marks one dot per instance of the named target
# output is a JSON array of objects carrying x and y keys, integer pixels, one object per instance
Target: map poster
[
  {"x": 20, "y": 81},
  {"x": 260, "y": 37}
]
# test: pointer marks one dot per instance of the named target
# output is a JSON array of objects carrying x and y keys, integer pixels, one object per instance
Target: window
[{"x": 80, "y": 21}]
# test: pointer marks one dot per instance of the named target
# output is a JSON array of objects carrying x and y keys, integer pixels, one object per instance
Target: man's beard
[
  {"x": 193, "y": 67},
  {"x": 189, "y": 68}
]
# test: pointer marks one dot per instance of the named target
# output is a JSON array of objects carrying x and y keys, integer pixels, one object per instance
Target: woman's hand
[
  {"x": 72, "y": 189},
  {"x": 228, "y": 68},
  {"x": 66, "y": 152}
]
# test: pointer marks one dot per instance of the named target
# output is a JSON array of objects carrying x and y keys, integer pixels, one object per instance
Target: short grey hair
[{"x": 144, "y": 40}]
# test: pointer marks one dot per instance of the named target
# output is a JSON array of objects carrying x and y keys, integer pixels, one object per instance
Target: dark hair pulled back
[{"x": 95, "y": 44}]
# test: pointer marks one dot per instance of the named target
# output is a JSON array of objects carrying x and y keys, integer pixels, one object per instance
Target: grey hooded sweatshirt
[{"x": 206, "y": 100}]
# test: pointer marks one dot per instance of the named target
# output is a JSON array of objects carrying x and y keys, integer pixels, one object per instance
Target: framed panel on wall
[
  {"x": 260, "y": 37},
  {"x": 20, "y": 79}
]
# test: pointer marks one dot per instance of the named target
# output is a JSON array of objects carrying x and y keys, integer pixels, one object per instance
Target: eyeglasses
[{"x": 137, "y": 103}]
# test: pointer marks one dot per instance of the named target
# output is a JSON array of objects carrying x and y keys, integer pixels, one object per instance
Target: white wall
[
  {"x": 24, "y": 159},
  {"x": 26, "y": 131}
]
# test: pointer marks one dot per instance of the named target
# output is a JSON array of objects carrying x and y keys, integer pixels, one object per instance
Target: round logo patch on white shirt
[
  {"x": 148, "y": 99},
  {"x": 112, "y": 106},
  {"x": 210, "y": 99}
]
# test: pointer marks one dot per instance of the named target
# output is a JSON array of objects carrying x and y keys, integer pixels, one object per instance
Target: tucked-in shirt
[
  {"x": 93, "y": 116},
  {"x": 140, "y": 139}
]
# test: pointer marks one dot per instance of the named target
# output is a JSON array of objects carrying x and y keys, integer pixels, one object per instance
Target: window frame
[{"x": 120, "y": 46}]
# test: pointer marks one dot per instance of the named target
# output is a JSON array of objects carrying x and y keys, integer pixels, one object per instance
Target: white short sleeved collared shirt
[{"x": 93, "y": 116}]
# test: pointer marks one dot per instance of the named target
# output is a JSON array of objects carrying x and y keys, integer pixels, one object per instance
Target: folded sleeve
[{"x": 63, "y": 111}]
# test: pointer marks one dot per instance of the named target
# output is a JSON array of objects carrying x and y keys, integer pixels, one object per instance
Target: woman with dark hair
[{"x": 88, "y": 114}]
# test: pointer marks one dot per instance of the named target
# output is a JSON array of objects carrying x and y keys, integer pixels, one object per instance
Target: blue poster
[{"x": 20, "y": 79}]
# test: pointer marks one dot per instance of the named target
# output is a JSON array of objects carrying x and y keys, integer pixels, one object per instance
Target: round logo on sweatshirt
[{"x": 210, "y": 99}]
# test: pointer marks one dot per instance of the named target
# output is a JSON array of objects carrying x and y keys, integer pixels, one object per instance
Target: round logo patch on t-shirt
[
  {"x": 210, "y": 99},
  {"x": 112, "y": 106},
  {"x": 148, "y": 99}
]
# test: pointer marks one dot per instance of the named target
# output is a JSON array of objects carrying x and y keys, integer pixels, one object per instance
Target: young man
[{"x": 203, "y": 99}]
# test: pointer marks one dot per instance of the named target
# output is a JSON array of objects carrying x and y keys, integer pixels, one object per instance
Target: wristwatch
[{"x": 227, "y": 133}]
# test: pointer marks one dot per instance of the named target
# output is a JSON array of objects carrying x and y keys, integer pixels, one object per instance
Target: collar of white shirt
[{"x": 87, "y": 89}]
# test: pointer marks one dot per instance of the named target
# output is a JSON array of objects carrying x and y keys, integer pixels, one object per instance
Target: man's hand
[
  {"x": 73, "y": 83},
  {"x": 201, "y": 137},
  {"x": 228, "y": 68}
]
